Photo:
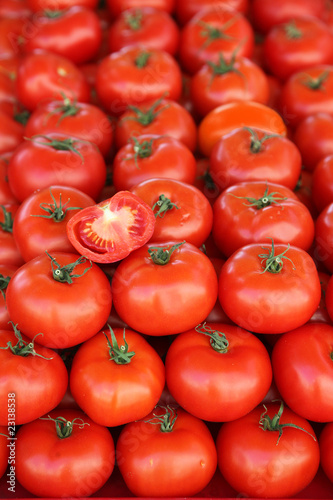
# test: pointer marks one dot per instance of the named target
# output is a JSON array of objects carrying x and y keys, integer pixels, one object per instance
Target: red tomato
[
  {"x": 321, "y": 314},
  {"x": 269, "y": 453},
  {"x": 117, "y": 377},
  {"x": 160, "y": 278},
  {"x": 265, "y": 15},
  {"x": 10, "y": 33},
  {"x": 325, "y": 444},
  {"x": 251, "y": 154},
  {"x": 6, "y": 272},
  {"x": 151, "y": 156},
  {"x": 170, "y": 453},
  {"x": 269, "y": 289},
  {"x": 74, "y": 33},
  {"x": 110, "y": 230},
  {"x": 26, "y": 364},
  {"x": 161, "y": 117},
  {"x": 323, "y": 247},
  {"x": 297, "y": 45},
  {"x": 303, "y": 191},
  {"x": 41, "y": 220},
  {"x": 11, "y": 133},
  {"x": 322, "y": 183},
  {"x": 6, "y": 195},
  {"x": 217, "y": 314},
  {"x": 82, "y": 120},
  {"x": 116, "y": 7},
  {"x": 227, "y": 117},
  {"x": 204, "y": 180},
  {"x": 35, "y": 5},
  {"x": 78, "y": 452},
  {"x": 233, "y": 367},
  {"x": 56, "y": 159},
  {"x": 14, "y": 9},
  {"x": 153, "y": 28},
  {"x": 329, "y": 298},
  {"x": 307, "y": 93},
  {"x": 136, "y": 75},
  {"x": 212, "y": 32},
  {"x": 9, "y": 252},
  {"x": 72, "y": 291},
  {"x": 4, "y": 449},
  {"x": 311, "y": 371},
  {"x": 45, "y": 75},
  {"x": 186, "y": 9},
  {"x": 182, "y": 212},
  {"x": 251, "y": 212}
]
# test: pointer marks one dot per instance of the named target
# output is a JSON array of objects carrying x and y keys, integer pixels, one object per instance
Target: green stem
[
  {"x": 22, "y": 348},
  {"x": 53, "y": 14},
  {"x": 292, "y": 32},
  {"x": 147, "y": 116},
  {"x": 274, "y": 263},
  {"x": 218, "y": 340},
  {"x": 142, "y": 59},
  {"x": 54, "y": 211},
  {"x": 264, "y": 201},
  {"x": 211, "y": 33},
  {"x": 166, "y": 421},
  {"x": 164, "y": 204},
  {"x": 59, "y": 145},
  {"x": 3, "y": 284},
  {"x": 273, "y": 424},
  {"x": 134, "y": 19},
  {"x": 65, "y": 109},
  {"x": 64, "y": 427},
  {"x": 141, "y": 150},
  {"x": 316, "y": 83},
  {"x": 120, "y": 355},
  {"x": 256, "y": 143},
  {"x": 161, "y": 255},
  {"x": 7, "y": 224},
  {"x": 63, "y": 274}
]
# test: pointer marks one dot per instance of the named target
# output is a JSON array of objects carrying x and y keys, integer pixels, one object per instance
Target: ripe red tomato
[
  {"x": 110, "y": 230},
  {"x": 269, "y": 289},
  {"x": 211, "y": 32},
  {"x": 78, "y": 452},
  {"x": 227, "y": 117},
  {"x": 227, "y": 80},
  {"x": 310, "y": 372},
  {"x": 117, "y": 377},
  {"x": 116, "y": 7},
  {"x": 10, "y": 33},
  {"x": 11, "y": 133},
  {"x": 232, "y": 364},
  {"x": 153, "y": 28},
  {"x": 44, "y": 75},
  {"x": 6, "y": 272},
  {"x": 161, "y": 117},
  {"x": 323, "y": 247},
  {"x": 9, "y": 252},
  {"x": 74, "y": 33},
  {"x": 182, "y": 211},
  {"x": 151, "y": 156},
  {"x": 41, "y": 220},
  {"x": 325, "y": 444},
  {"x": 136, "y": 75},
  {"x": 56, "y": 159},
  {"x": 329, "y": 298},
  {"x": 4, "y": 449},
  {"x": 271, "y": 452},
  {"x": 6, "y": 195},
  {"x": 27, "y": 363},
  {"x": 186, "y": 9},
  {"x": 170, "y": 453},
  {"x": 73, "y": 291},
  {"x": 251, "y": 154},
  {"x": 321, "y": 314},
  {"x": 322, "y": 183},
  {"x": 14, "y": 9},
  {"x": 251, "y": 212},
  {"x": 84, "y": 121},
  {"x": 297, "y": 45},
  {"x": 159, "y": 278},
  {"x": 35, "y": 5}
]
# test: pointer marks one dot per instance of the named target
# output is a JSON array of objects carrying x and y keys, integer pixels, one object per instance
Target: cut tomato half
[{"x": 112, "y": 229}]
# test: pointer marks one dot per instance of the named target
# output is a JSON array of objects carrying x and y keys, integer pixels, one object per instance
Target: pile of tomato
[{"x": 166, "y": 248}]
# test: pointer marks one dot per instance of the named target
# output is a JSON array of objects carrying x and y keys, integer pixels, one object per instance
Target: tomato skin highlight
[{"x": 112, "y": 229}]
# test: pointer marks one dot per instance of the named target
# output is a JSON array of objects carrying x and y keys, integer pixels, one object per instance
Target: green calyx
[
  {"x": 142, "y": 59},
  {"x": 134, "y": 19},
  {"x": 4, "y": 280},
  {"x": 273, "y": 424},
  {"x": 273, "y": 263},
  {"x": 218, "y": 340},
  {"x": 53, "y": 14},
  {"x": 55, "y": 212},
  {"x": 163, "y": 205},
  {"x": 316, "y": 83},
  {"x": 67, "y": 108},
  {"x": 7, "y": 224},
  {"x": 212, "y": 33},
  {"x": 22, "y": 348},
  {"x": 222, "y": 66},
  {"x": 264, "y": 201},
  {"x": 64, "y": 274},
  {"x": 257, "y": 144},
  {"x": 147, "y": 116},
  {"x": 142, "y": 149},
  {"x": 162, "y": 255},
  {"x": 67, "y": 144},
  {"x": 119, "y": 354},
  {"x": 166, "y": 420},
  {"x": 291, "y": 31},
  {"x": 64, "y": 427}
]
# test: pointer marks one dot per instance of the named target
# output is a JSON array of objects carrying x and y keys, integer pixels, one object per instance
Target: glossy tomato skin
[
  {"x": 161, "y": 157},
  {"x": 117, "y": 6},
  {"x": 321, "y": 314},
  {"x": 151, "y": 27},
  {"x": 244, "y": 81},
  {"x": 267, "y": 302},
  {"x": 326, "y": 443},
  {"x": 110, "y": 230},
  {"x": 186, "y": 9},
  {"x": 225, "y": 118},
  {"x": 176, "y": 463},
  {"x": 6, "y": 272},
  {"x": 45, "y": 161},
  {"x": 4, "y": 450},
  {"x": 297, "y": 45},
  {"x": 37, "y": 226},
  {"x": 323, "y": 237},
  {"x": 11, "y": 133},
  {"x": 190, "y": 218},
  {"x": 197, "y": 45},
  {"x": 75, "y": 34},
  {"x": 44, "y": 75},
  {"x": 6, "y": 195},
  {"x": 254, "y": 155},
  {"x": 85, "y": 121},
  {"x": 329, "y": 298},
  {"x": 128, "y": 392},
  {"x": 9, "y": 252},
  {"x": 236, "y": 378},
  {"x": 256, "y": 466},
  {"x": 168, "y": 118},
  {"x": 22, "y": 375},
  {"x": 166, "y": 291},
  {"x": 78, "y": 465},
  {"x": 322, "y": 183},
  {"x": 304, "y": 356},
  {"x": 123, "y": 79},
  {"x": 238, "y": 223},
  {"x": 78, "y": 309},
  {"x": 35, "y": 5}
]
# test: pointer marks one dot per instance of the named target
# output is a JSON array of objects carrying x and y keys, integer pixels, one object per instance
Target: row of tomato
[{"x": 165, "y": 246}]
